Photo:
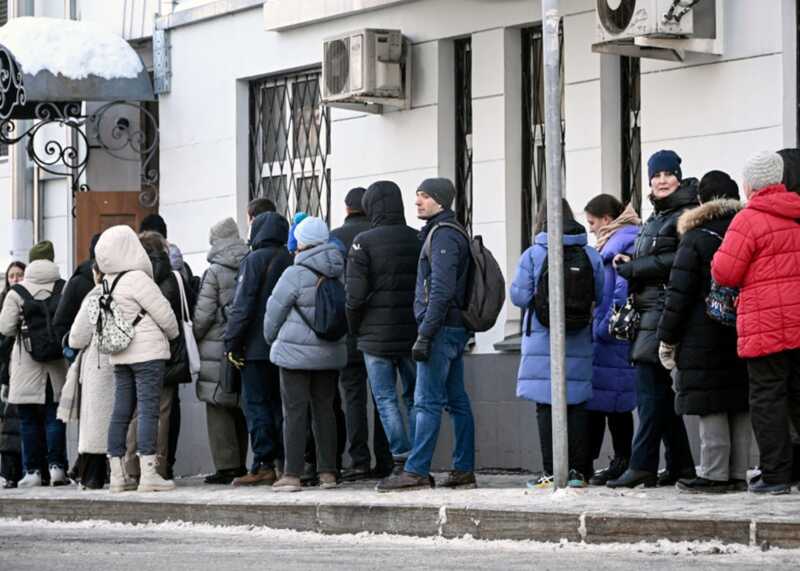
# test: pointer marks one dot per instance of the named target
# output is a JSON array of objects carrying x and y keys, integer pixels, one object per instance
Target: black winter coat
[
  {"x": 9, "y": 420},
  {"x": 258, "y": 274},
  {"x": 711, "y": 377},
  {"x": 648, "y": 272},
  {"x": 354, "y": 225},
  {"x": 177, "y": 368},
  {"x": 381, "y": 275},
  {"x": 78, "y": 286}
]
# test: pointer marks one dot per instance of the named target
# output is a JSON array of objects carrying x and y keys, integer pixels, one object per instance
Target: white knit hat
[
  {"x": 311, "y": 232},
  {"x": 763, "y": 169}
]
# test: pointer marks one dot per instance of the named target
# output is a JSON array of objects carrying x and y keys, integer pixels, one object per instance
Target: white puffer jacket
[
  {"x": 119, "y": 250},
  {"x": 28, "y": 381}
]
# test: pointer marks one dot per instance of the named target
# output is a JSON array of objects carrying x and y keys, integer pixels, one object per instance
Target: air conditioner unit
[{"x": 366, "y": 66}]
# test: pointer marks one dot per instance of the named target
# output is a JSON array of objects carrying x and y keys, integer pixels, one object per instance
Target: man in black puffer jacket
[
  {"x": 711, "y": 380},
  {"x": 381, "y": 277},
  {"x": 647, "y": 274},
  {"x": 244, "y": 344}
]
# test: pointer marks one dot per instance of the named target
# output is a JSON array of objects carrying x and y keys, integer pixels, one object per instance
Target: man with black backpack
[
  {"x": 441, "y": 293},
  {"x": 38, "y": 370}
]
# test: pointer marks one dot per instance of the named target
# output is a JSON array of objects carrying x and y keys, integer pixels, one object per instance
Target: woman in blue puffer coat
[
  {"x": 614, "y": 381},
  {"x": 533, "y": 380}
]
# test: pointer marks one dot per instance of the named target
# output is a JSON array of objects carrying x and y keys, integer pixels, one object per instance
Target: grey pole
[{"x": 555, "y": 233}]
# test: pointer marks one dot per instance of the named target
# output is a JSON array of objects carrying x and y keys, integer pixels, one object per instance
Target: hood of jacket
[
  {"x": 712, "y": 210},
  {"x": 227, "y": 252},
  {"x": 685, "y": 195},
  {"x": 574, "y": 235},
  {"x": 162, "y": 267},
  {"x": 42, "y": 272},
  {"x": 775, "y": 200},
  {"x": 325, "y": 259},
  {"x": 119, "y": 250},
  {"x": 383, "y": 204},
  {"x": 268, "y": 229},
  {"x": 619, "y": 242}
]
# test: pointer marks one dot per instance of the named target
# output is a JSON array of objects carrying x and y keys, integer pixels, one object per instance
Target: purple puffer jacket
[{"x": 614, "y": 380}]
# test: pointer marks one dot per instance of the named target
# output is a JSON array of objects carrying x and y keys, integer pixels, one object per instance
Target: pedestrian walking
[
  {"x": 614, "y": 379},
  {"x": 759, "y": 255},
  {"x": 10, "y": 445},
  {"x": 309, "y": 365}
]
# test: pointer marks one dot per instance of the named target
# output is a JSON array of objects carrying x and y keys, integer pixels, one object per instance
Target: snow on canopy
[{"x": 71, "y": 48}]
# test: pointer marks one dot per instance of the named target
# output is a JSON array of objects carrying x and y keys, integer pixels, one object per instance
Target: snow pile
[{"x": 72, "y": 49}]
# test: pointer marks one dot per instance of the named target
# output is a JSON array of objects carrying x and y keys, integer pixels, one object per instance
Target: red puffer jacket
[{"x": 761, "y": 256}]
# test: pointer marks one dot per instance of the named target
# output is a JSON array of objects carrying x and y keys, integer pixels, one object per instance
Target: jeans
[
  {"x": 620, "y": 425},
  {"x": 658, "y": 421},
  {"x": 440, "y": 385},
  {"x": 137, "y": 383},
  {"x": 577, "y": 438},
  {"x": 261, "y": 401},
  {"x": 383, "y": 372},
  {"x": 44, "y": 437}
]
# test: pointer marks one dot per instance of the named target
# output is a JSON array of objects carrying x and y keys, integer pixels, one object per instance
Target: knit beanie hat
[
  {"x": 717, "y": 184},
  {"x": 664, "y": 161},
  {"x": 311, "y": 232},
  {"x": 353, "y": 199},
  {"x": 291, "y": 244},
  {"x": 439, "y": 189},
  {"x": 42, "y": 251},
  {"x": 154, "y": 223},
  {"x": 223, "y": 230},
  {"x": 763, "y": 169}
]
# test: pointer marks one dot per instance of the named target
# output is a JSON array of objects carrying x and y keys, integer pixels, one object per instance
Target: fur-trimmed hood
[{"x": 713, "y": 210}]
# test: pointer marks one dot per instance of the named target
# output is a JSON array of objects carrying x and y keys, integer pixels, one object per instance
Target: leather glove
[
  {"x": 666, "y": 354},
  {"x": 625, "y": 270},
  {"x": 234, "y": 359},
  {"x": 421, "y": 351},
  {"x": 4, "y": 394}
]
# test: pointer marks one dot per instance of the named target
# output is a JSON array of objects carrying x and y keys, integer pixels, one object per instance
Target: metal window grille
[
  {"x": 533, "y": 136},
  {"x": 463, "y": 94},
  {"x": 290, "y": 144},
  {"x": 630, "y": 92}
]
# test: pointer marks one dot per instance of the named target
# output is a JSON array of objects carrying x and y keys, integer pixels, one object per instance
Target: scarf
[{"x": 627, "y": 218}]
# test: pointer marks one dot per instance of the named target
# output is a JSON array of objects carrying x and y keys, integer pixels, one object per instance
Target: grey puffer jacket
[
  {"x": 216, "y": 292},
  {"x": 293, "y": 344}
]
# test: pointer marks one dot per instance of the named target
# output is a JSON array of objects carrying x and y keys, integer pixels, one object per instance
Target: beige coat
[
  {"x": 28, "y": 381},
  {"x": 119, "y": 250}
]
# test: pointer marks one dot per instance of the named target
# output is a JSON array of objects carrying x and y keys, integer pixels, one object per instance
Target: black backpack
[
  {"x": 330, "y": 320},
  {"x": 37, "y": 332},
  {"x": 578, "y": 291}
]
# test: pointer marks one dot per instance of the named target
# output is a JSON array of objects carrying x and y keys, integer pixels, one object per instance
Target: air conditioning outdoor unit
[{"x": 366, "y": 68}]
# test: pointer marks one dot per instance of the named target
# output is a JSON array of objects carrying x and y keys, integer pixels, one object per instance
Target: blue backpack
[{"x": 330, "y": 320}]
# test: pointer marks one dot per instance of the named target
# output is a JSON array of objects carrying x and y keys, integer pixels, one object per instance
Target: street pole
[{"x": 555, "y": 233}]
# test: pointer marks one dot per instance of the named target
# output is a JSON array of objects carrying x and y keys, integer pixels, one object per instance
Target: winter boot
[
  {"x": 57, "y": 476},
  {"x": 287, "y": 484},
  {"x": 150, "y": 481},
  {"x": 261, "y": 476},
  {"x": 32, "y": 479},
  {"x": 327, "y": 480},
  {"x": 612, "y": 472},
  {"x": 459, "y": 479},
  {"x": 632, "y": 478},
  {"x": 119, "y": 480},
  {"x": 403, "y": 481}
]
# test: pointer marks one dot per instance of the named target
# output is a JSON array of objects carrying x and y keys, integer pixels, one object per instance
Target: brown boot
[{"x": 264, "y": 476}]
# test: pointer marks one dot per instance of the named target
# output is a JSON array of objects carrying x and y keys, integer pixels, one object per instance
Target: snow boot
[
  {"x": 119, "y": 481},
  {"x": 150, "y": 480},
  {"x": 57, "y": 476},
  {"x": 32, "y": 479}
]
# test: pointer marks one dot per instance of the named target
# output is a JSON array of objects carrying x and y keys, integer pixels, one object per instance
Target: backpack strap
[
  {"x": 427, "y": 246},
  {"x": 23, "y": 292},
  {"x": 115, "y": 282}
]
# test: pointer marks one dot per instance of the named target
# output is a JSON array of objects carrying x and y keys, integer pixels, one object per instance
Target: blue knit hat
[{"x": 664, "y": 161}]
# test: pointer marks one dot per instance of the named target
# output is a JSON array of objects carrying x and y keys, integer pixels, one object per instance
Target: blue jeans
[
  {"x": 44, "y": 437},
  {"x": 136, "y": 384},
  {"x": 440, "y": 385},
  {"x": 383, "y": 373},
  {"x": 261, "y": 402}
]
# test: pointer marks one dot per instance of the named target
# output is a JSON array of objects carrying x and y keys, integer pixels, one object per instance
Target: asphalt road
[{"x": 95, "y": 545}]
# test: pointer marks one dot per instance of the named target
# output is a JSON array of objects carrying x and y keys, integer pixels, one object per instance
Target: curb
[{"x": 420, "y": 521}]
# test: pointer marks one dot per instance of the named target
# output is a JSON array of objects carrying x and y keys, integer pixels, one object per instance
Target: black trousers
[
  {"x": 774, "y": 403},
  {"x": 620, "y": 424},
  {"x": 577, "y": 436},
  {"x": 93, "y": 467}
]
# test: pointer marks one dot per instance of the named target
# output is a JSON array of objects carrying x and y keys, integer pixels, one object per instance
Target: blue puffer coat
[
  {"x": 614, "y": 381},
  {"x": 533, "y": 379}
]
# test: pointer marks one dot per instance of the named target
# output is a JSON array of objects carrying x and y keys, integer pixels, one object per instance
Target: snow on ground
[{"x": 71, "y": 48}]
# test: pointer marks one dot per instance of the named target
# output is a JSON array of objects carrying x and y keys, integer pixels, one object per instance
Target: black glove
[
  {"x": 625, "y": 270},
  {"x": 421, "y": 351}
]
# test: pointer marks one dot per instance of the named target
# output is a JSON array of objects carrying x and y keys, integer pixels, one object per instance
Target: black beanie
[
  {"x": 154, "y": 223},
  {"x": 439, "y": 189},
  {"x": 717, "y": 184},
  {"x": 353, "y": 198}
]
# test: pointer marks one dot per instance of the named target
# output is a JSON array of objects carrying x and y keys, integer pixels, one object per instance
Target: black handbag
[
  {"x": 230, "y": 377},
  {"x": 624, "y": 321}
]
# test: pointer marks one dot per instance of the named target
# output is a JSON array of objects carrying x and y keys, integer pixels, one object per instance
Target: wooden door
[{"x": 99, "y": 210}]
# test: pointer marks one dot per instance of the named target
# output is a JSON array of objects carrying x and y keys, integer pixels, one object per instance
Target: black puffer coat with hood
[{"x": 381, "y": 275}]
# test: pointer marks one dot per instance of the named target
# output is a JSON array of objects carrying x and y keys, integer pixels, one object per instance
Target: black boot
[
  {"x": 667, "y": 478},
  {"x": 632, "y": 478},
  {"x": 612, "y": 472},
  {"x": 703, "y": 486},
  {"x": 225, "y": 477},
  {"x": 357, "y": 473}
]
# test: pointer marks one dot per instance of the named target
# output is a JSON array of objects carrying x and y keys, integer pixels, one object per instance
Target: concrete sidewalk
[{"x": 500, "y": 509}]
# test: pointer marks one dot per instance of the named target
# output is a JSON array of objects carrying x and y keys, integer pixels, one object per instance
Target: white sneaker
[
  {"x": 57, "y": 476},
  {"x": 31, "y": 480},
  {"x": 119, "y": 480},
  {"x": 150, "y": 480}
]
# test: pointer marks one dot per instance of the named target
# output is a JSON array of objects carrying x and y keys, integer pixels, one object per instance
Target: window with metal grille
[
  {"x": 290, "y": 144},
  {"x": 630, "y": 93},
  {"x": 533, "y": 136},
  {"x": 463, "y": 94}
]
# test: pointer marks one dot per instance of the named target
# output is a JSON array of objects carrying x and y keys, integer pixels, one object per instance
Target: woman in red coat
[{"x": 761, "y": 255}]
